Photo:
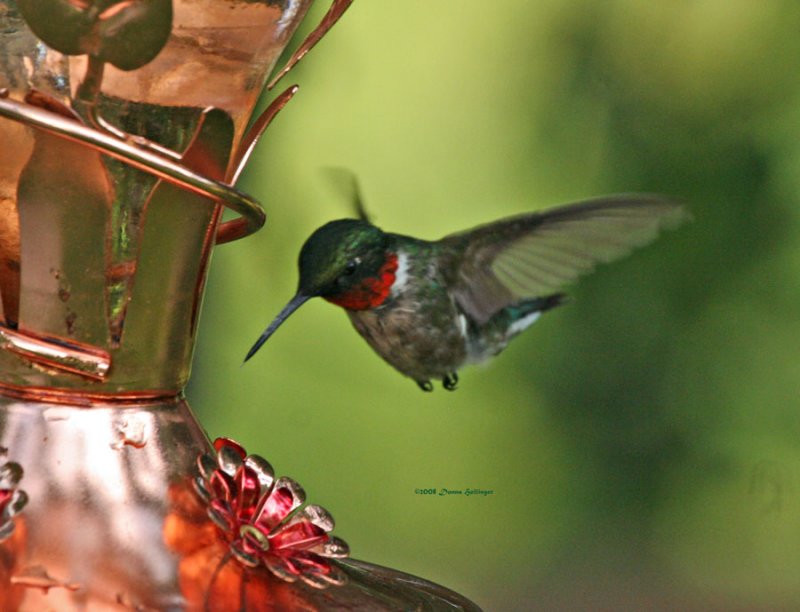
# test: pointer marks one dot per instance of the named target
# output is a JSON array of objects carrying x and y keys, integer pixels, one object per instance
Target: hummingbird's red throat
[{"x": 372, "y": 291}]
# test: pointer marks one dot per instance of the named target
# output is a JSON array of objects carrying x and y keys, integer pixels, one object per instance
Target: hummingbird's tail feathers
[
  {"x": 493, "y": 336},
  {"x": 539, "y": 253},
  {"x": 551, "y": 301},
  {"x": 519, "y": 317}
]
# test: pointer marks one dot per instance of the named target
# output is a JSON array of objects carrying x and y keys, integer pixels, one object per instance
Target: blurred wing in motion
[
  {"x": 344, "y": 184},
  {"x": 534, "y": 255}
]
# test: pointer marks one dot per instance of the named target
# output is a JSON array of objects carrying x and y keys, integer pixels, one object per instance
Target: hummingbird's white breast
[{"x": 400, "y": 275}]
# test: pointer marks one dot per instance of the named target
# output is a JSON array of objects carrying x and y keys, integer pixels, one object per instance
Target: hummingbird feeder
[{"x": 123, "y": 130}]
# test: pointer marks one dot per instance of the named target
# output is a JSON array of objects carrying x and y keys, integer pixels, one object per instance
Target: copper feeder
[{"x": 123, "y": 126}]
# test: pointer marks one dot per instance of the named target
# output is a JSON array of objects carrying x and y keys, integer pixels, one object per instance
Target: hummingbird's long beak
[{"x": 296, "y": 302}]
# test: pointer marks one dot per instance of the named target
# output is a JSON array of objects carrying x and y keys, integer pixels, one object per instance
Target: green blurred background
[{"x": 643, "y": 442}]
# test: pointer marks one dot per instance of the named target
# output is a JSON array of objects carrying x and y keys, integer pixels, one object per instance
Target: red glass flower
[{"x": 262, "y": 520}]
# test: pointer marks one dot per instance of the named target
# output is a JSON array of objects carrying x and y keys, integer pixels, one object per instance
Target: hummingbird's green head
[
  {"x": 347, "y": 262},
  {"x": 339, "y": 257}
]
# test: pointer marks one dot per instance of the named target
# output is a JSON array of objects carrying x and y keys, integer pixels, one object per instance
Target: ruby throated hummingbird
[{"x": 429, "y": 308}]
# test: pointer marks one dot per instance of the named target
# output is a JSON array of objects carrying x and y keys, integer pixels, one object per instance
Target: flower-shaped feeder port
[
  {"x": 262, "y": 519},
  {"x": 12, "y": 499}
]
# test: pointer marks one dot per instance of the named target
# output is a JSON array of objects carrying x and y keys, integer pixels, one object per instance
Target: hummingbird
[{"x": 430, "y": 307}]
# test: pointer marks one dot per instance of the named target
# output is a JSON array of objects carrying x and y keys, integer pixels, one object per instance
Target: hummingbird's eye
[{"x": 351, "y": 266}]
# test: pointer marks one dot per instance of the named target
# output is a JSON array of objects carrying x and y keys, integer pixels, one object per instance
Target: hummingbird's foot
[
  {"x": 450, "y": 381},
  {"x": 425, "y": 385}
]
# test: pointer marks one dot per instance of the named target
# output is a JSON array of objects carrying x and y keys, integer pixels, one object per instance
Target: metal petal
[
  {"x": 248, "y": 492},
  {"x": 206, "y": 464},
  {"x": 244, "y": 557},
  {"x": 332, "y": 548},
  {"x": 335, "y": 576},
  {"x": 221, "y": 485},
  {"x": 281, "y": 568},
  {"x": 263, "y": 469},
  {"x": 10, "y": 475},
  {"x": 229, "y": 460},
  {"x": 6, "y": 529},
  {"x": 220, "y": 513},
  {"x": 314, "y": 580},
  {"x": 18, "y": 501},
  {"x": 319, "y": 516},
  {"x": 286, "y": 495},
  {"x": 317, "y": 572},
  {"x": 221, "y": 442},
  {"x": 297, "y": 534},
  {"x": 200, "y": 488}
]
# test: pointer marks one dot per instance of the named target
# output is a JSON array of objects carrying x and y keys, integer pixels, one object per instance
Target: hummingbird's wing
[
  {"x": 345, "y": 185},
  {"x": 533, "y": 255}
]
